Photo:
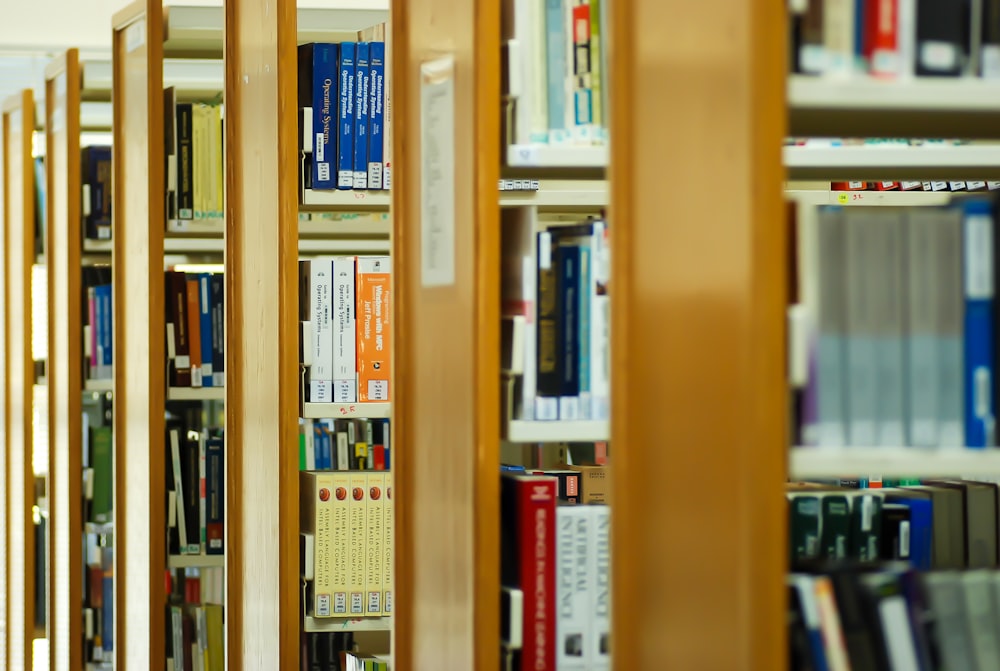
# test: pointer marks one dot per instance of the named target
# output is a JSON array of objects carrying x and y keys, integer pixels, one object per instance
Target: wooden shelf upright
[
  {"x": 63, "y": 81},
  {"x": 138, "y": 224},
  {"x": 19, "y": 241},
  {"x": 698, "y": 307}
]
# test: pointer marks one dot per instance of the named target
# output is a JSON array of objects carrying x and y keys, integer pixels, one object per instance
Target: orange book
[
  {"x": 194, "y": 329},
  {"x": 374, "y": 327}
]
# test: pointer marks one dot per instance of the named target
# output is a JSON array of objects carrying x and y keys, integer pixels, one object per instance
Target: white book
[
  {"x": 838, "y": 36},
  {"x": 923, "y": 367},
  {"x": 175, "y": 456},
  {"x": 600, "y": 323},
  {"x": 320, "y": 297},
  {"x": 600, "y": 653},
  {"x": 862, "y": 320},
  {"x": 344, "y": 330},
  {"x": 573, "y": 587},
  {"x": 950, "y": 328},
  {"x": 888, "y": 295}
]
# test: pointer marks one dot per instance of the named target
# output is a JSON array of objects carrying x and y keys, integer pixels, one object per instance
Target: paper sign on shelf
[{"x": 437, "y": 172}]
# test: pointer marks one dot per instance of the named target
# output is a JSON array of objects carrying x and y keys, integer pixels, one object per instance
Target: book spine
[
  {"x": 583, "y": 107},
  {"x": 191, "y": 469},
  {"x": 585, "y": 274},
  {"x": 889, "y": 296},
  {"x": 921, "y": 314},
  {"x": 839, "y": 35},
  {"x": 601, "y": 609},
  {"x": 358, "y": 542},
  {"x": 600, "y": 322},
  {"x": 596, "y": 74},
  {"x": 387, "y": 542},
  {"x": 567, "y": 312},
  {"x": 218, "y": 330},
  {"x": 198, "y": 160},
  {"x": 340, "y": 547},
  {"x": 573, "y": 585},
  {"x": 324, "y": 96},
  {"x": 205, "y": 311},
  {"x": 376, "y": 135},
  {"x": 185, "y": 163},
  {"x": 175, "y": 454},
  {"x": 374, "y": 351},
  {"x": 345, "y": 387},
  {"x": 861, "y": 318},
  {"x": 194, "y": 329},
  {"x": 375, "y": 533},
  {"x": 387, "y": 119},
  {"x": 320, "y": 308},
  {"x": 979, "y": 269},
  {"x": 547, "y": 336},
  {"x": 91, "y": 333},
  {"x": 97, "y": 362},
  {"x": 345, "y": 141},
  {"x": 178, "y": 300},
  {"x": 536, "y": 522},
  {"x": 950, "y": 330},
  {"x": 104, "y": 295},
  {"x": 885, "y": 57},
  {"x": 202, "y": 492},
  {"x": 557, "y": 69},
  {"x": 989, "y": 59},
  {"x": 940, "y": 37},
  {"x": 362, "y": 71},
  {"x": 322, "y": 489},
  {"x": 215, "y": 474}
]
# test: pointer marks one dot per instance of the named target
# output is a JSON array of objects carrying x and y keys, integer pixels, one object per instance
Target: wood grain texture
[
  {"x": 139, "y": 349},
  {"x": 447, "y": 369},
  {"x": 65, "y": 361},
  {"x": 19, "y": 213},
  {"x": 262, "y": 519},
  {"x": 698, "y": 303}
]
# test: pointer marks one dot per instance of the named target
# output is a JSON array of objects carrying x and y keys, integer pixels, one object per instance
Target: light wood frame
[
  {"x": 138, "y": 224},
  {"x": 65, "y": 361}
]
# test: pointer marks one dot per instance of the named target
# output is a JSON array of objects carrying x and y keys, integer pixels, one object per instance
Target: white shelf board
[
  {"x": 346, "y": 410},
  {"x": 556, "y": 156},
  {"x": 196, "y": 561},
  {"x": 93, "y": 528},
  {"x": 925, "y": 94},
  {"x": 344, "y": 201},
  {"x": 370, "y": 227},
  {"x": 207, "y": 227},
  {"x": 581, "y": 431},
  {"x": 196, "y": 394},
  {"x": 871, "y": 198},
  {"x": 810, "y": 462},
  {"x": 335, "y": 624},
  {"x": 97, "y": 246},
  {"x": 199, "y": 245},
  {"x": 893, "y": 162},
  {"x": 99, "y": 385},
  {"x": 561, "y": 195}
]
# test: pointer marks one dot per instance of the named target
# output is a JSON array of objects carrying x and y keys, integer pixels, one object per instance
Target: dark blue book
[
  {"x": 568, "y": 313},
  {"x": 345, "y": 141},
  {"x": 318, "y": 62},
  {"x": 979, "y": 337},
  {"x": 96, "y": 177},
  {"x": 362, "y": 70},
  {"x": 215, "y": 496},
  {"x": 376, "y": 116},
  {"x": 205, "y": 322},
  {"x": 218, "y": 330}
]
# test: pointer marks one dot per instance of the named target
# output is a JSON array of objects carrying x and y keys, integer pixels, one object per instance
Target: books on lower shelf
[
  {"x": 97, "y": 323},
  {"x": 555, "y": 305},
  {"x": 195, "y": 489},
  {"x": 337, "y": 651},
  {"x": 344, "y": 445},
  {"x": 346, "y": 543},
  {"x": 346, "y": 335},
  {"x": 98, "y": 607},
  {"x": 195, "y": 329},
  {"x": 893, "y": 330},
  {"x": 195, "y": 633}
]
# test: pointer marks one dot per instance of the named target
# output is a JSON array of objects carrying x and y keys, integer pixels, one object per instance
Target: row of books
[
  {"x": 347, "y": 544},
  {"x": 196, "y": 329},
  {"x": 195, "y": 491},
  {"x": 96, "y": 181},
  {"x": 556, "y": 70},
  {"x": 345, "y": 310},
  {"x": 344, "y": 445},
  {"x": 336, "y": 651},
  {"x": 99, "y": 602},
  {"x": 343, "y": 91},
  {"x": 844, "y": 616},
  {"x": 895, "y": 38},
  {"x": 194, "y": 159},
  {"x": 556, "y": 317},
  {"x": 962, "y": 187},
  {"x": 555, "y": 576},
  {"x": 195, "y": 638},
  {"x": 899, "y": 306},
  {"x": 97, "y": 322}
]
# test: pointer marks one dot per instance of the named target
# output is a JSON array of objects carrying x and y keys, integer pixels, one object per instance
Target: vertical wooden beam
[
  {"x": 138, "y": 223},
  {"x": 446, "y": 412},
  {"x": 65, "y": 360},
  {"x": 698, "y": 299},
  {"x": 262, "y": 520},
  {"x": 19, "y": 214}
]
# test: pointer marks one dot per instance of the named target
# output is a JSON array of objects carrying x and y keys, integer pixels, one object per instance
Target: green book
[
  {"x": 102, "y": 459},
  {"x": 803, "y": 526},
  {"x": 836, "y": 526}
]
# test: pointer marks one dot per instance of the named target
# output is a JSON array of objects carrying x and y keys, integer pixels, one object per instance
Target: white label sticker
[
  {"x": 320, "y": 149},
  {"x": 979, "y": 257},
  {"x": 938, "y": 55},
  {"x": 437, "y": 173},
  {"x": 135, "y": 35},
  {"x": 904, "y": 540}
]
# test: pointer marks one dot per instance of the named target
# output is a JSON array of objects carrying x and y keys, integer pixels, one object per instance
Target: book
[
  {"x": 374, "y": 328},
  {"x": 362, "y": 73},
  {"x": 345, "y": 141},
  {"x": 376, "y": 119}
]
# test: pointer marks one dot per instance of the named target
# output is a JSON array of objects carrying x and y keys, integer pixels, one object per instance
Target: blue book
[
  {"x": 386, "y": 434},
  {"x": 104, "y": 334},
  {"x": 327, "y": 448},
  {"x": 376, "y": 78},
  {"x": 977, "y": 233},
  {"x": 107, "y": 609},
  {"x": 567, "y": 311},
  {"x": 557, "y": 68},
  {"x": 215, "y": 496},
  {"x": 583, "y": 339},
  {"x": 921, "y": 528},
  {"x": 362, "y": 72},
  {"x": 205, "y": 315},
  {"x": 345, "y": 141},
  {"x": 324, "y": 97}
]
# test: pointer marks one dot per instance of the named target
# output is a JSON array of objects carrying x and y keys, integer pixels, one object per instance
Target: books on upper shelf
[
  {"x": 95, "y": 177},
  {"x": 897, "y": 307},
  {"x": 345, "y": 120},
  {"x": 894, "y": 39},
  {"x": 195, "y": 633},
  {"x": 194, "y": 161},
  {"x": 554, "y": 574},
  {"x": 195, "y": 473},
  {"x": 97, "y": 323},
  {"x": 346, "y": 543},
  {"x": 554, "y": 346},
  {"x": 344, "y": 444},
  {"x": 346, "y": 334},
  {"x": 556, "y": 74},
  {"x": 337, "y": 651},
  {"x": 195, "y": 329}
]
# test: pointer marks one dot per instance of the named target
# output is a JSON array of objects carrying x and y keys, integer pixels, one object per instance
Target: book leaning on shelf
[
  {"x": 898, "y": 305},
  {"x": 556, "y": 318},
  {"x": 195, "y": 329}
]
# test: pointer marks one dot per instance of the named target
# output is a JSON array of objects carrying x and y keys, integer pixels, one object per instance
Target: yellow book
[
  {"x": 340, "y": 547},
  {"x": 216, "y": 638},
  {"x": 358, "y": 519},
  {"x": 374, "y": 531},
  {"x": 316, "y": 517},
  {"x": 387, "y": 546}
]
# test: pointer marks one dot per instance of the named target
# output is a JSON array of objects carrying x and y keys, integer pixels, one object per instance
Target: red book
[
  {"x": 528, "y": 542},
  {"x": 884, "y": 20}
]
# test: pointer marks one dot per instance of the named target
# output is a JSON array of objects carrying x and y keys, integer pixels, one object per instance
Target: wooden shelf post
[
  {"x": 19, "y": 215},
  {"x": 698, "y": 308},
  {"x": 65, "y": 359},
  {"x": 446, "y": 409},
  {"x": 139, "y": 349}
]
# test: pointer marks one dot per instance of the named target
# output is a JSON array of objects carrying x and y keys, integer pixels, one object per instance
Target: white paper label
[
  {"x": 437, "y": 174},
  {"x": 938, "y": 55},
  {"x": 904, "y": 540},
  {"x": 135, "y": 35}
]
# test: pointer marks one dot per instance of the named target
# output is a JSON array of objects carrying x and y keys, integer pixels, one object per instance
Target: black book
[
  {"x": 218, "y": 329},
  {"x": 942, "y": 44},
  {"x": 185, "y": 161},
  {"x": 894, "y": 542},
  {"x": 549, "y": 380}
]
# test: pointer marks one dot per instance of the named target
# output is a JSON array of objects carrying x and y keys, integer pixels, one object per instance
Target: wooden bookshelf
[
  {"x": 139, "y": 370},
  {"x": 698, "y": 356},
  {"x": 65, "y": 360},
  {"x": 19, "y": 218}
]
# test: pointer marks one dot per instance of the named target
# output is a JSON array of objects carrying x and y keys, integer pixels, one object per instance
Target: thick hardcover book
[
  {"x": 889, "y": 296},
  {"x": 97, "y": 192},
  {"x": 947, "y": 600},
  {"x": 374, "y": 344},
  {"x": 340, "y": 551},
  {"x": 387, "y": 546},
  {"x": 319, "y": 275},
  {"x": 803, "y": 526},
  {"x": 862, "y": 324},
  {"x": 325, "y": 99},
  {"x": 194, "y": 329},
  {"x": 528, "y": 544},
  {"x": 185, "y": 161},
  {"x": 374, "y": 538},
  {"x": 573, "y": 586},
  {"x": 357, "y": 509},
  {"x": 835, "y": 526},
  {"x": 866, "y": 526},
  {"x": 941, "y": 37},
  {"x": 103, "y": 457},
  {"x": 215, "y": 495},
  {"x": 345, "y": 141},
  {"x": 376, "y": 115},
  {"x": 950, "y": 298},
  {"x": 344, "y": 332},
  {"x": 894, "y": 541},
  {"x": 885, "y": 56},
  {"x": 549, "y": 364},
  {"x": 921, "y": 318},
  {"x": 205, "y": 323},
  {"x": 318, "y": 496},
  {"x": 104, "y": 310},
  {"x": 362, "y": 72},
  {"x": 979, "y": 338},
  {"x": 218, "y": 330},
  {"x": 921, "y": 521},
  {"x": 191, "y": 500}
]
